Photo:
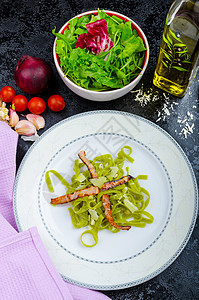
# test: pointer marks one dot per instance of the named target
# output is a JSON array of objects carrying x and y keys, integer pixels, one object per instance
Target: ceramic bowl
[{"x": 103, "y": 95}]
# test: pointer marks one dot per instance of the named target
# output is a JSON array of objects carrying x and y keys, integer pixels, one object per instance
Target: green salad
[{"x": 100, "y": 52}]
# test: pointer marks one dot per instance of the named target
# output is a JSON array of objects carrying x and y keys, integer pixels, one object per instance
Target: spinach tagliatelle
[{"x": 127, "y": 200}]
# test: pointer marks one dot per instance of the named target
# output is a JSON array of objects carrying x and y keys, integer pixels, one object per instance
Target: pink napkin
[{"x": 26, "y": 270}]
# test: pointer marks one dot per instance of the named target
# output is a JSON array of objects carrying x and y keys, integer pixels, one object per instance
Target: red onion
[{"x": 32, "y": 75}]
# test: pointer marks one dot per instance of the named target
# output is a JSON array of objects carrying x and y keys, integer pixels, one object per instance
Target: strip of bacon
[
  {"x": 92, "y": 190},
  {"x": 111, "y": 184},
  {"x": 82, "y": 156},
  {"x": 108, "y": 214}
]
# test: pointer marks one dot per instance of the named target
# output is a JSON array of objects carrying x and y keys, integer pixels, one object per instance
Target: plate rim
[{"x": 193, "y": 178}]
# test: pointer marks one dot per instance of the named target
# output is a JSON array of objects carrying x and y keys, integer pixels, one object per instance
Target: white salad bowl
[{"x": 103, "y": 95}]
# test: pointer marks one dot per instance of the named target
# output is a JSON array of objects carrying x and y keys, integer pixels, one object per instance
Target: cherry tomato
[
  {"x": 7, "y": 94},
  {"x": 20, "y": 103},
  {"x": 36, "y": 105},
  {"x": 56, "y": 103}
]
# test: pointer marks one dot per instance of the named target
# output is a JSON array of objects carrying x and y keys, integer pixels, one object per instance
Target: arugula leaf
[
  {"x": 127, "y": 32},
  {"x": 81, "y": 22},
  {"x": 79, "y": 31}
]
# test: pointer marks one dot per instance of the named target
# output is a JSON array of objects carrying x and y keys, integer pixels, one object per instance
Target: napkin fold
[
  {"x": 26, "y": 270},
  {"x": 8, "y": 147}
]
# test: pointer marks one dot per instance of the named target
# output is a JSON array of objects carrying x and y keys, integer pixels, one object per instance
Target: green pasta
[{"x": 128, "y": 201}]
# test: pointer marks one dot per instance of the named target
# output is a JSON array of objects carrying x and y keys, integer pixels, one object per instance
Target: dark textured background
[{"x": 25, "y": 28}]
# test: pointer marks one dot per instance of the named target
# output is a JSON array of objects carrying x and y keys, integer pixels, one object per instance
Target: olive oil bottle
[{"x": 179, "y": 50}]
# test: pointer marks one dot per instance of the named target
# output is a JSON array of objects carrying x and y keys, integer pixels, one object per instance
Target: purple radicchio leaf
[{"x": 97, "y": 39}]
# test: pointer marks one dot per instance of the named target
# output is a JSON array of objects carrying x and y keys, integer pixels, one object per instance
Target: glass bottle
[{"x": 178, "y": 57}]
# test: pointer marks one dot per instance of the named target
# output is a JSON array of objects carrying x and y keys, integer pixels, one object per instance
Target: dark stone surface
[{"x": 26, "y": 29}]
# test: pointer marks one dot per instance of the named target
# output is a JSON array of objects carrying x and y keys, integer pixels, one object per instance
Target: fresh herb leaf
[{"x": 180, "y": 69}]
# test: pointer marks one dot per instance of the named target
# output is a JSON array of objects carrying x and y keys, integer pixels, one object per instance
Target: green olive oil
[{"x": 177, "y": 62}]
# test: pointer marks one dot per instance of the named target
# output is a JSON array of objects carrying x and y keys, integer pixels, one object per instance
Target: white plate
[{"x": 123, "y": 259}]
